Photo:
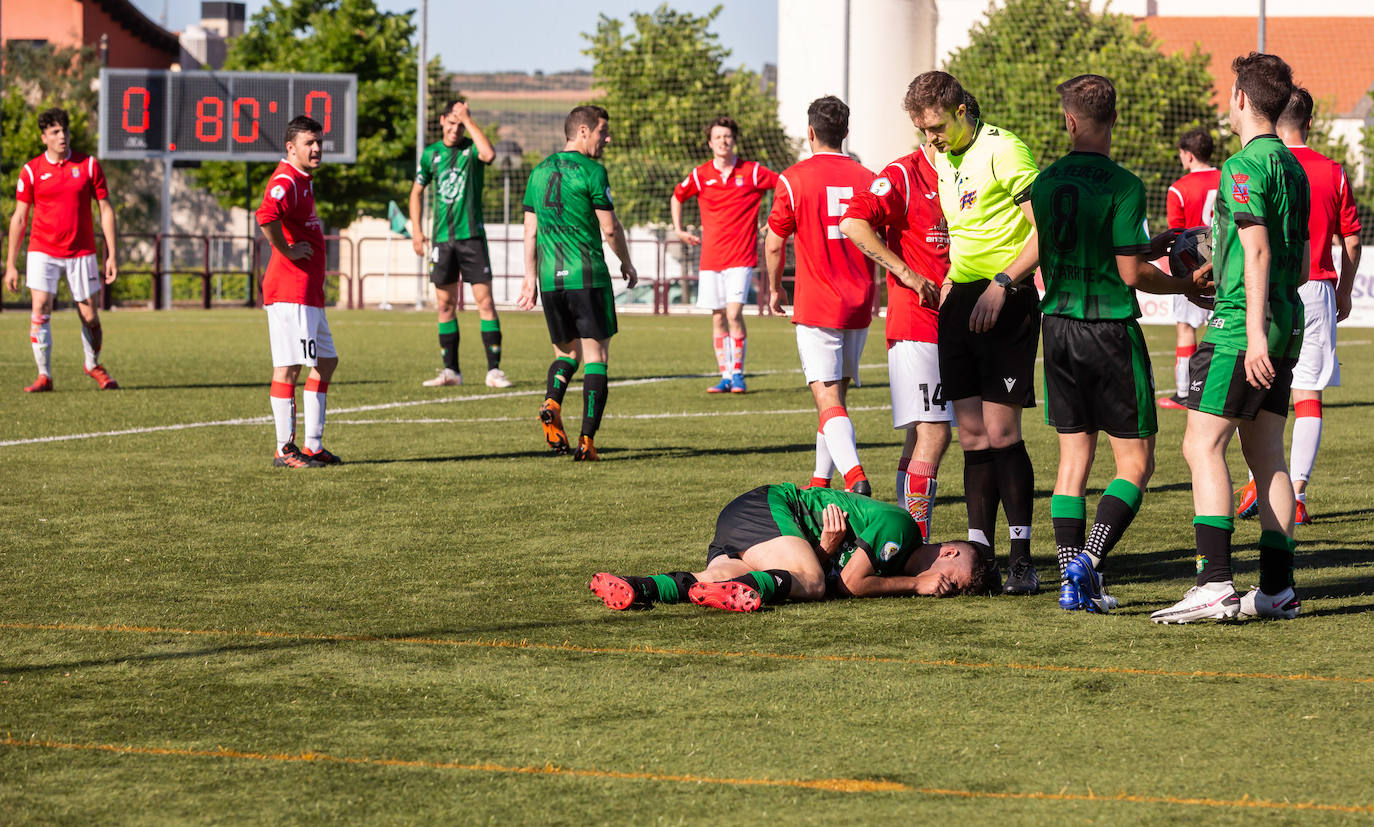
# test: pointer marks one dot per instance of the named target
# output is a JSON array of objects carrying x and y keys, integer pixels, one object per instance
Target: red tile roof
[{"x": 1332, "y": 56}]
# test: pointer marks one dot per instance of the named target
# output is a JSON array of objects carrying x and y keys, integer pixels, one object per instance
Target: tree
[
  {"x": 662, "y": 84},
  {"x": 345, "y": 36},
  {"x": 1019, "y": 54}
]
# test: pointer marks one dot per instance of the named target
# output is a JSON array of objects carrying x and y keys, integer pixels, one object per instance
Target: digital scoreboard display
[{"x": 222, "y": 116}]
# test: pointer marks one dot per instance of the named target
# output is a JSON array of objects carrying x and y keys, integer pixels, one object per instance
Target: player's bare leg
[
  {"x": 720, "y": 341},
  {"x": 837, "y": 433},
  {"x": 92, "y": 339},
  {"x": 734, "y": 321},
  {"x": 772, "y": 571},
  {"x": 446, "y": 301},
  {"x": 490, "y": 324},
  {"x": 1262, "y": 444},
  {"x": 40, "y": 337}
]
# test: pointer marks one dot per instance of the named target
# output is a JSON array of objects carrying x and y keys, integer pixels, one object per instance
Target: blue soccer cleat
[
  {"x": 737, "y": 383},
  {"x": 1069, "y": 598},
  {"x": 1088, "y": 582},
  {"x": 723, "y": 386}
]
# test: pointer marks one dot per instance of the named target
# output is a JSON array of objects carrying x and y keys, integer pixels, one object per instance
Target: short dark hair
[
  {"x": 1199, "y": 142},
  {"x": 725, "y": 121},
  {"x": 53, "y": 117},
  {"x": 829, "y": 118},
  {"x": 933, "y": 90},
  {"x": 971, "y": 106},
  {"x": 1298, "y": 112},
  {"x": 1266, "y": 81},
  {"x": 1089, "y": 96},
  {"x": 588, "y": 115},
  {"x": 303, "y": 123},
  {"x": 448, "y": 107}
]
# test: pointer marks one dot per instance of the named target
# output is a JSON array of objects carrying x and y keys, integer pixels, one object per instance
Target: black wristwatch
[{"x": 1004, "y": 281}]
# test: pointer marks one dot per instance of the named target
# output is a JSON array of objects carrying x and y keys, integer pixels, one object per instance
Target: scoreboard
[{"x": 222, "y": 116}]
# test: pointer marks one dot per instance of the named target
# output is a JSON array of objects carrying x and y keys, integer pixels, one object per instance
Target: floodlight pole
[
  {"x": 421, "y": 86},
  {"x": 1261, "y": 26},
  {"x": 163, "y": 297}
]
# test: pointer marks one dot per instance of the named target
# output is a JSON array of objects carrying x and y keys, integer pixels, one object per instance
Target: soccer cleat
[
  {"x": 1085, "y": 579},
  {"x": 730, "y": 596},
  {"x": 446, "y": 377},
  {"x": 551, "y": 416},
  {"x": 1302, "y": 517},
  {"x": 496, "y": 378},
  {"x": 1022, "y": 579},
  {"x": 586, "y": 451},
  {"x": 322, "y": 456},
  {"x": 1249, "y": 501},
  {"x": 615, "y": 592},
  {"x": 723, "y": 386},
  {"x": 1284, "y": 605},
  {"x": 42, "y": 384},
  {"x": 289, "y": 456},
  {"x": 862, "y": 487},
  {"x": 1069, "y": 599},
  {"x": 817, "y": 482},
  {"x": 1215, "y": 601},
  {"x": 102, "y": 376},
  {"x": 737, "y": 383},
  {"x": 1173, "y": 403}
]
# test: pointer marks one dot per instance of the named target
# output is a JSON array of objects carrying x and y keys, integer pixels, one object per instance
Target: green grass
[{"x": 228, "y": 625}]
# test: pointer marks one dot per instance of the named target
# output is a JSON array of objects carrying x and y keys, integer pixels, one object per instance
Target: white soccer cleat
[
  {"x": 445, "y": 378},
  {"x": 496, "y": 378},
  {"x": 1214, "y": 601},
  {"x": 1256, "y": 603}
]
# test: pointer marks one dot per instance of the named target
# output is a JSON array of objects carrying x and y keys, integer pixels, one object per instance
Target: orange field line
[
  {"x": 838, "y": 785},
  {"x": 709, "y": 653}
]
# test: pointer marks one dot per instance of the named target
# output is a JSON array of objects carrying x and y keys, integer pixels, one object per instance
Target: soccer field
[{"x": 191, "y": 635}]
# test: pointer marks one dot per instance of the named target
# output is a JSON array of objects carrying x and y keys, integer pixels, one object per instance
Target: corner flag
[{"x": 397, "y": 219}]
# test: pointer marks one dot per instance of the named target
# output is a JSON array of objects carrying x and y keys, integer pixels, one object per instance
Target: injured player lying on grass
[{"x": 779, "y": 542}]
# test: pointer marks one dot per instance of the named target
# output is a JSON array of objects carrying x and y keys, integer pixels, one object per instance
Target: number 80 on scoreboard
[{"x": 222, "y": 116}]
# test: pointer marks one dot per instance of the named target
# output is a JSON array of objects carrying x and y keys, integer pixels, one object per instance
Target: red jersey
[
  {"x": 905, "y": 199},
  {"x": 834, "y": 286},
  {"x": 1333, "y": 209},
  {"x": 729, "y": 203},
  {"x": 61, "y": 197},
  {"x": 291, "y": 200},
  {"x": 1192, "y": 199}
]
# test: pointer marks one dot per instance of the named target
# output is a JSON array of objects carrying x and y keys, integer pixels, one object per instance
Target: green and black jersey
[
  {"x": 564, "y": 192},
  {"x": 1088, "y": 210},
  {"x": 883, "y": 531},
  {"x": 1262, "y": 184},
  {"x": 454, "y": 176}
]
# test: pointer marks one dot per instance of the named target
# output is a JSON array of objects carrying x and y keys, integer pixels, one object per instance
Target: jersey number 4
[{"x": 553, "y": 193}]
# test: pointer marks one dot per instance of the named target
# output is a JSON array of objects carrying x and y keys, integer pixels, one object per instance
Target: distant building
[{"x": 131, "y": 40}]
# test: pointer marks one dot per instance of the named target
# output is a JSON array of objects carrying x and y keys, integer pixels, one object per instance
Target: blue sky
[{"x": 505, "y": 40}]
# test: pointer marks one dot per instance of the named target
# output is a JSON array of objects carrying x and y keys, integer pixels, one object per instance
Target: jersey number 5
[{"x": 836, "y": 201}]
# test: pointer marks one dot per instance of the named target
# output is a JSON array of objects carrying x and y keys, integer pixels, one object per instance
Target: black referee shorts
[{"x": 999, "y": 365}]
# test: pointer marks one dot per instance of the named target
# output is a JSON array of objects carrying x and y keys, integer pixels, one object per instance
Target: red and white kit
[
  {"x": 904, "y": 201},
  {"x": 293, "y": 290},
  {"x": 834, "y": 283},
  {"x": 1190, "y": 203},
  {"x": 729, "y": 203},
  {"x": 62, "y": 238}
]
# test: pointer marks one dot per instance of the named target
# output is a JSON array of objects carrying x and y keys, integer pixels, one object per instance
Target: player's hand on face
[
  {"x": 987, "y": 309},
  {"x": 688, "y": 238},
  {"x": 833, "y": 528},
  {"x": 1259, "y": 371},
  {"x": 777, "y": 300},
  {"x": 12, "y": 279},
  {"x": 460, "y": 111}
]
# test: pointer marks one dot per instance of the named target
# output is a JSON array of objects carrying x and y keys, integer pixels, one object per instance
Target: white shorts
[
  {"x": 299, "y": 335},
  {"x": 1185, "y": 312},
  {"x": 913, "y": 370},
  {"x": 1317, "y": 367},
  {"x": 829, "y": 355},
  {"x": 83, "y": 277},
  {"x": 717, "y": 288}
]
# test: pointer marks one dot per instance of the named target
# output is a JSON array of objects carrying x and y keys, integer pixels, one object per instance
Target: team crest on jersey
[
  {"x": 889, "y": 551},
  {"x": 1240, "y": 188},
  {"x": 76, "y": 173},
  {"x": 967, "y": 200},
  {"x": 880, "y": 187},
  {"x": 739, "y": 180},
  {"x": 277, "y": 192},
  {"x": 451, "y": 186}
]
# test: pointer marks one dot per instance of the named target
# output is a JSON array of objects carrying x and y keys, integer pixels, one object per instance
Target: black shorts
[
  {"x": 998, "y": 366},
  {"x": 467, "y": 258},
  {"x": 751, "y": 518},
  {"x": 1098, "y": 378},
  {"x": 580, "y": 314},
  {"x": 1216, "y": 384}
]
